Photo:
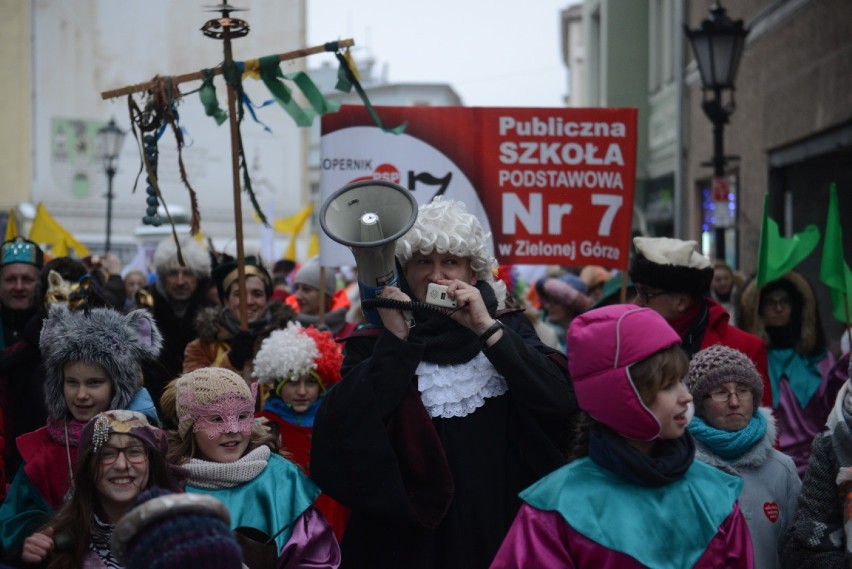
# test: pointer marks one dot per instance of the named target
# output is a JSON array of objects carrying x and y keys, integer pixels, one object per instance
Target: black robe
[{"x": 437, "y": 493}]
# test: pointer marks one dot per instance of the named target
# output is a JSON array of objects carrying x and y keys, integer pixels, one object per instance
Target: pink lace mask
[{"x": 230, "y": 413}]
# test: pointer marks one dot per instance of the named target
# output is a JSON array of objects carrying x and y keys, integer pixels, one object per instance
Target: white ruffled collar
[{"x": 460, "y": 389}]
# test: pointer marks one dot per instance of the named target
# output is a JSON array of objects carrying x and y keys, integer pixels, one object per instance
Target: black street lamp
[
  {"x": 718, "y": 47},
  {"x": 110, "y": 139}
]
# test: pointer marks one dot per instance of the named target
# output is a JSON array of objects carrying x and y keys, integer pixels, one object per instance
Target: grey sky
[{"x": 495, "y": 53}]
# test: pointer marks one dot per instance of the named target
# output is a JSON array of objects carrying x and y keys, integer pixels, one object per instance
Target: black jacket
[{"x": 437, "y": 492}]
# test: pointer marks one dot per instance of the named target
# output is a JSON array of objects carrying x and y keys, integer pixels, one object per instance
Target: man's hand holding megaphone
[{"x": 392, "y": 319}]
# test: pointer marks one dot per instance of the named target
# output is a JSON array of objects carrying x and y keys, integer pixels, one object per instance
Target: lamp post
[
  {"x": 110, "y": 139},
  {"x": 718, "y": 47}
]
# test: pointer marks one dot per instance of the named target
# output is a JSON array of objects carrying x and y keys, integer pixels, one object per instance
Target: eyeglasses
[
  {"x": 134, "y": 454},
  {"x": 744, "y": 395},
  {"x": 780, "y": 303},
  {"x": 643, "y": 295}
]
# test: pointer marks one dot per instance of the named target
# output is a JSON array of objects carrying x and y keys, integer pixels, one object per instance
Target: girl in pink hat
[{"x": 633, "y": 496}]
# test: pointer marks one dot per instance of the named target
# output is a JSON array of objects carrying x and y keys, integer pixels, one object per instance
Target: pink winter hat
[{"x": 602, "y": 344}]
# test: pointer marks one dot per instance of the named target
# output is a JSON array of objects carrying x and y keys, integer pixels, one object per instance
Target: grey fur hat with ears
[{"x": 117, "y": 342}]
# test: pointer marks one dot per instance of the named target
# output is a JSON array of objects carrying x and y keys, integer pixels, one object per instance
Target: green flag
[
  {"x": 834, "y": 272},
  {"x": 779, "y": 255}
]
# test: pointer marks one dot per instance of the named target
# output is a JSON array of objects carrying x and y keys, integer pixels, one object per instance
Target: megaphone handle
[{"x": 409, "y": 318}]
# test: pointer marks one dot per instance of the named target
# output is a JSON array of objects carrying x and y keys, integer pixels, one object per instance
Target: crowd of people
[{"x": 205, "y": 412}]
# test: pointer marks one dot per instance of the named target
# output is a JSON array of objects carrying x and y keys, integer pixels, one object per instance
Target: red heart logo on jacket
[{"x": 770, "y": 509}]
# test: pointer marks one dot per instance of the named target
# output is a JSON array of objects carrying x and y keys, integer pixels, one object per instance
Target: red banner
[{"x": 555, "y": 185}]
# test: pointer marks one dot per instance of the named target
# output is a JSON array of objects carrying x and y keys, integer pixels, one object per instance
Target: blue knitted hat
[{"x": 166, "y": 530}]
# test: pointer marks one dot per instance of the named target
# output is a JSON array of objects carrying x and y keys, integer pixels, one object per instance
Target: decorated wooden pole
[
  {"x": 199, "y": 75},
  {"x": 225, "y": 28}
]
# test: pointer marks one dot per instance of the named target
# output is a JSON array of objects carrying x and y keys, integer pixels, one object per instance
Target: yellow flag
[
  {"x": 290, "y": 253},
  {"x": 313, "y": 245},
  {"x": 293, "y": 224},
  {"x": 11, "y": 226},
  {"x": 47, "y": 231}
]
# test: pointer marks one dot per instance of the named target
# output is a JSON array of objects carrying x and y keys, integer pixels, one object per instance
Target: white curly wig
[{"x": 446, "y": 227}]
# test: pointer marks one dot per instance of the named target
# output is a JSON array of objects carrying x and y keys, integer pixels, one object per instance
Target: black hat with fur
[
  {"x": 117, "y": 342},
  {"x": 672, "y": 265}
]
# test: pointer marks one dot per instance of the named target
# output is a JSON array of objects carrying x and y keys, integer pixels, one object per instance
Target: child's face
[
  {"x": 87, "y": 389},
  {"x": 670, "y": 407},
  {"x": 123, "y": 472},
  {"x": 218, "y": 446},
  {"x": 301, "y": 394}
]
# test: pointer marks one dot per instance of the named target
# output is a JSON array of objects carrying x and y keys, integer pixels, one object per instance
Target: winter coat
[
  {"x": 437, "y": 492},
  {"x": 797, "y": 423},
  {"x": 178, "y": 330},
  {"x": 22, "y": 390},
  {"x": 817, "y": 537},
  {"x": 296, "y": 443},
  {"x": 211, "y": 347},
  {"x": 572, "y": 517},
  {"x": 41, "y": 484},
  {"x": 278, "y": 501},
  {"x": 38, "y": 488},
  {"x": 770, "y": 491}
]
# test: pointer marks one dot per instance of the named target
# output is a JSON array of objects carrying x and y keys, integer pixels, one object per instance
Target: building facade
[
  {"x": 789, "y": 135},
  {"x": 64, "y": 55}
]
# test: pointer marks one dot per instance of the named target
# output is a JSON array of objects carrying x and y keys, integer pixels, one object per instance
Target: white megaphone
[{"x": 368, "y": 217}]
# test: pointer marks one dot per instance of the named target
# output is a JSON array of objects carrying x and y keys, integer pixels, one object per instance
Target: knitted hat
[
  {"x": 605, "y": 342},
  {"x": 720, "y": 364},
  {"x": 20, "y": 250},
  {"x": 567, "y": 290},
  {"x": 672, "y": 265},
  {"x": 116, "y": 342},
  {"x": 213, "y": 391},
  {"x": 165, "y": 530},
  {"x": 226, "y": 273},
  {"x": 309, "y": 275},
  {"x": 296, "y": 351},
  {"x": 97, "y": 431}
]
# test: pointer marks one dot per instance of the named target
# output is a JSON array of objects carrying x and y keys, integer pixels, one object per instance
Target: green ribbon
[
  {"x": 207, "y": 94},
  {"x": 346, "y": 80},
  {"x": 271, "y": 75}
]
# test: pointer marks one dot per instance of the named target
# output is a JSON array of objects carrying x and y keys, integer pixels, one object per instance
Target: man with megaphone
[{"x": 441, "y": 418}]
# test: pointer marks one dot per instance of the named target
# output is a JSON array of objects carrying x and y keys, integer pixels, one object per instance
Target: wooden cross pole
[{"x": 227, "y": 28}]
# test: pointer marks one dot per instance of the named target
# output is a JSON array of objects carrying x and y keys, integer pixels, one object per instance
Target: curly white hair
[{"x": 446, "y": 227}]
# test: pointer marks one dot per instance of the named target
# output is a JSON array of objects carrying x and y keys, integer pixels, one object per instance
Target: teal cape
[
  {"x": 23, "y": 512},
  {"x": 270, "y": 501},
  {"x": 668, "y": 527}
]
